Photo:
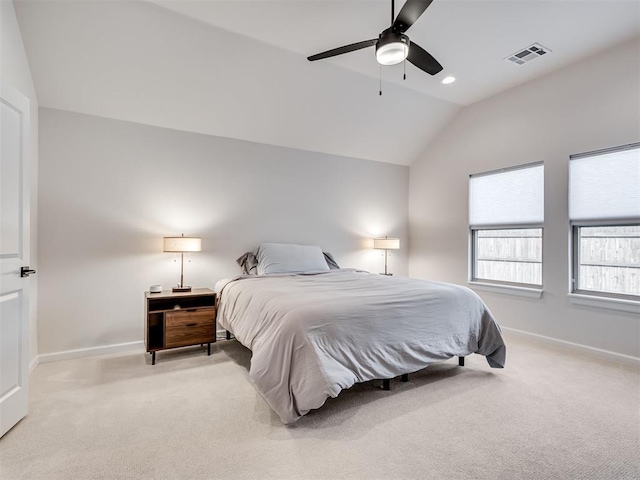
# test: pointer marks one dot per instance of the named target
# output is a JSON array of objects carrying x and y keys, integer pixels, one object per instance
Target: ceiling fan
[{"x": 392, "y": 45}]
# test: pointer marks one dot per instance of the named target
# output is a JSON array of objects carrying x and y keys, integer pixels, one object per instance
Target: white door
[{"x": 14, "y": 254}]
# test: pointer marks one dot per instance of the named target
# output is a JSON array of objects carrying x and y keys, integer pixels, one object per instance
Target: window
[
  {"x": 604, "y": 210},
  {"x": 506, "y": 211}
]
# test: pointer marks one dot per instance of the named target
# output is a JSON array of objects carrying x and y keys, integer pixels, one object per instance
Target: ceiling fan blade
[
  {"x": 423, "y": 59},
  {"x": 340, "y": 50},
  {"x": 410, "y": 12}
]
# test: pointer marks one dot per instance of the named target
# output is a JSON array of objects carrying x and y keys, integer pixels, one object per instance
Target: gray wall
[
  {"x": 587, "y": 106},
  {"x": 110, "y": 190}
]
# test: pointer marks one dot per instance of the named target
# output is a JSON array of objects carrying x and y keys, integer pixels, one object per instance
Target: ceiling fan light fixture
[{"x": 392, "y": 48}]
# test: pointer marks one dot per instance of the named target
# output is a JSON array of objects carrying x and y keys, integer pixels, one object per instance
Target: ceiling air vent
[{"x": 527, "y": 54}]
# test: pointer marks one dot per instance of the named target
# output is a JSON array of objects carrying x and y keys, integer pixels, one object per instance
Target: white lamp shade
[
  {"x": 182, "y": 244},
  {"x": 386, "y": 243}
]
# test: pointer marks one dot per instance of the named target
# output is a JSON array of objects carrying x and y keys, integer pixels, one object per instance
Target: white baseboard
[
  {"x": 33, "y": 364},
  {"x": 90, "y": 352},
  {"x": 597, "y": 352},
  {"x": 132, "y": 346}
]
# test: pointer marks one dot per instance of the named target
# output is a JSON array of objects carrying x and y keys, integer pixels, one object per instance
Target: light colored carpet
[{"x": 551, "y": 414}]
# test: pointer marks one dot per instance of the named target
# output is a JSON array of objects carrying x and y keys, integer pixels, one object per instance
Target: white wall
[
  {"x": 14, "y": 71},
  {"x": 110, "y": 190},
  {"x": 587, "y": 106}
]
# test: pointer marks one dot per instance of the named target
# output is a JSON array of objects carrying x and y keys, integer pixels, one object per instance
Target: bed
[{"x": 316, "y": 332}]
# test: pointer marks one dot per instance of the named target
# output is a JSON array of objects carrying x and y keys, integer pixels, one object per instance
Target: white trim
[
  {"x": 507, "y": 169},
  {"x": 603, "y": 151},
  {"x": 90, "y": 352},
  {"x": 33, "y": 364},
  {"x": 609, "y": 303},
  {"x": 597, "y": 352},
  {"x": 507, "y": 289}
]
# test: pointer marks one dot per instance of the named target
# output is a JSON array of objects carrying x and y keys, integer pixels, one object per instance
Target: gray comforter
[{"x": 315, "y": 334}]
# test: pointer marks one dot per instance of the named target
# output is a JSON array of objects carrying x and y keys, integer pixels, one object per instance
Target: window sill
[
  {"x": 507, "y": 289},
  {"x": 619, "y": 304}
]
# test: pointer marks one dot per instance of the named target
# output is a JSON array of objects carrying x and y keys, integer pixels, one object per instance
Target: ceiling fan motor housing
[{"x": 392, "y": 47}]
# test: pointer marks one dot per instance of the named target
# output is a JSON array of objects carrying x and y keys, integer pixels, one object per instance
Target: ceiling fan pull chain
[{"x": 380, "y": 79}]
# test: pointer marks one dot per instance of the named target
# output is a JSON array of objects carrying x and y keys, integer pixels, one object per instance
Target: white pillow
[{"x": 286, "y": 258}]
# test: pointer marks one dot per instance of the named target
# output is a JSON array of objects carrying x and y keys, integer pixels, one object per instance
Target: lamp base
[{"x": 178, "y": 288}]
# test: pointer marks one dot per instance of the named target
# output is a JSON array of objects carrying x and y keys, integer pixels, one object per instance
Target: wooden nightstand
[{"x": 179, "y": 319}]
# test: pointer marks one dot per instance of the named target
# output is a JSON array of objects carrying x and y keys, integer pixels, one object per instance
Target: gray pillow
[
  {"x": 286, "y": 258},
  {"x": 333, "y": 265},
  {"x": 249, "y": 263}
]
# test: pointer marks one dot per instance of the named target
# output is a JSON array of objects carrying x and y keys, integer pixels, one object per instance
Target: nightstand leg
[
  {"x": 153, "y": 358},
  {"x": 461, "y": 361},
  {"x": 208, "y": 349}
]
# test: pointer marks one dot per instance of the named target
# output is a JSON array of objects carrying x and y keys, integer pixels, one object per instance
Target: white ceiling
[
  {"x": 470, "y": 38},
  {"x": 238, "y": 68}
]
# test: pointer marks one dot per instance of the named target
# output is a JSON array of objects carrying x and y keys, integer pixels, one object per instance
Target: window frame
[
  {"x": 574, "y": 234},
  {"x": 473, "y": 237},
  {"x": 575, "y": 258},
  {"x": 474, "y": 259}
]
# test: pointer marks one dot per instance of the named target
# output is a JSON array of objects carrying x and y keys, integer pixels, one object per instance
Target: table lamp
[
  {"x": 386, "y": 244},
  {"x": 182, "y": 244}
]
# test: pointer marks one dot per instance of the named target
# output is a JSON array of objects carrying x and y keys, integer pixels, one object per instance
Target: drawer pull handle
[{"x": 191, "y": 324}]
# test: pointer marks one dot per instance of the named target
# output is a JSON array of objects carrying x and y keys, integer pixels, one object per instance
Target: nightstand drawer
[{"x": 184, "y": 327}]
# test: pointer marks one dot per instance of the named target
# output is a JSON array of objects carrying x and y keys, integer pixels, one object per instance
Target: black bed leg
[
  {"x": 461, "y": 361},
  {"x": 386, "y": 384},
  {"x": 228, "y": 335},
  {"x": 405, "y": 377},
  {"x": 153, "y": 358}
]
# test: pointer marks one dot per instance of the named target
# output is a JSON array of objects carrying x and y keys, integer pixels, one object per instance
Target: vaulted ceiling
[{"x": 238, "y": 68}]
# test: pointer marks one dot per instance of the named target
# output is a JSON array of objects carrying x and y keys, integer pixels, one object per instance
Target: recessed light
[{"x": 448, "y": 80}]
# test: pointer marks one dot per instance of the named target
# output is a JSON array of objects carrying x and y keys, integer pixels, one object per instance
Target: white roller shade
[
  {"x": 507, "y": 197},
  {"x": 605, "y": 186}
]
